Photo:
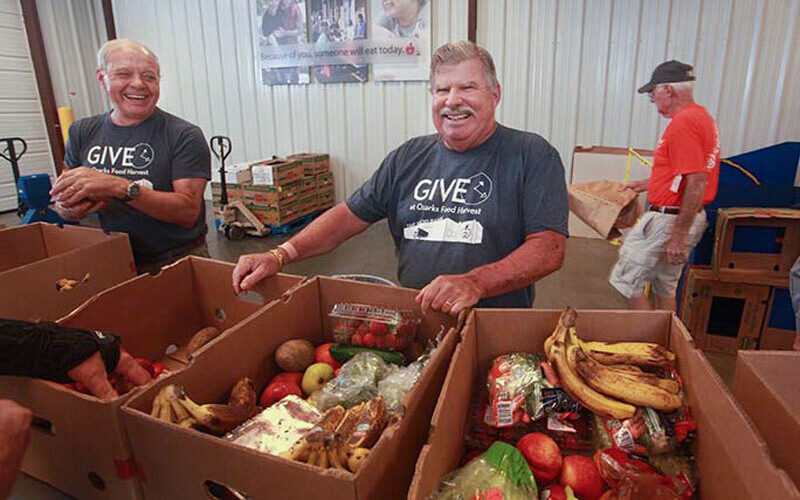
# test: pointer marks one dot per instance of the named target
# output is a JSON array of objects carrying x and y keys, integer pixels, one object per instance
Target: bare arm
[
  {"x": 327, "y": 232},
  {"x": 77, "y": 185},
  {"x": 540, "y": 254},
  {"x": 696, "y": 183}
]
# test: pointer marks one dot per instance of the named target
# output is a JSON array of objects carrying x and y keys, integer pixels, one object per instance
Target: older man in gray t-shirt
[{"x": 478, "y": 211}]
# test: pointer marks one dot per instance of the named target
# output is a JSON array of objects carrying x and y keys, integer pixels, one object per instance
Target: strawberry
[
  {"x": 369, "y": 340},
  {"x": 390, "y": 341},
  {"x": 378, "y": 329},
  {"x": 380, "y": 342},
  {"x": 356, "y": 339}
]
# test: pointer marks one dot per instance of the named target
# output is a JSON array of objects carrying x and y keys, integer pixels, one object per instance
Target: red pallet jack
[{"x": 236, "y": 220}]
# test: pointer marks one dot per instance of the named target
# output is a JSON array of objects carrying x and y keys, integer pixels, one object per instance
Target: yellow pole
[{"x": 65, "y": 120}]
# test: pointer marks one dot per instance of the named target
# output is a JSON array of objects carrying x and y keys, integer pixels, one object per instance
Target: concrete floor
[{"x": 581, "y": 283}]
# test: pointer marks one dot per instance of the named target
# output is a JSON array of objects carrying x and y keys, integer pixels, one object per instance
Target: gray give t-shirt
[
  {"x": 156, "y": 152},
  {"x": 451, "y": 212}
]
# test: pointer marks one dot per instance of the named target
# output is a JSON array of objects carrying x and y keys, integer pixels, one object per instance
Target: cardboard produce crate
[
  {"x": 276, "y": 172},
  {"x": 324, "y": 181},
  {"x": 237, "y": 173},
  {"x": 78, "y": 444},
  {"x": 313, "y": 163},
  {"x": 183, "y": 463},
  {"x": 766, "y": 387},
  {"x": 723, "y": 317},
  {"x": 306, "y": 186},
  {"x": 326, "y": 199},
  {"x": 277, "y": 215},
  {"x": 270, "y": 195},
  {"x": 235, "y": 192},
  {"x": 756, "y": 245},
  {"x": 33, "y": 257},
  {"x": 778, "y": 331},
  {"x": 730, "y": 454}
]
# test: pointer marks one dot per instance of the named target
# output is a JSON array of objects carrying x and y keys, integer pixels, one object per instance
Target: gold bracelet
[{"x": 279, "y": 255}]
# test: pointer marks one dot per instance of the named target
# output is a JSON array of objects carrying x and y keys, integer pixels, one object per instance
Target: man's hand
[
  {"x": 80, "y": 210},
  {"x": 677, "y": 251},
  {"x": 15, "y": 433},
  {"x": 92, "y": 374},
  {"x": 253, "y": 268},
  {"x": 79, "y": 184},
  {"x": 638, "y": 186},
  {"x": 450, "y": 294}
]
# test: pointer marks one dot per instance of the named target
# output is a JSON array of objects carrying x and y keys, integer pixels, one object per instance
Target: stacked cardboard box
[
  {"x": 313, "y": 163},
  {"x": 742, "y": 302}
]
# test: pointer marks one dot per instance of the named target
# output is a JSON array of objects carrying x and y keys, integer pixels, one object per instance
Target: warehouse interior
[{"x": 569, "y": 71}]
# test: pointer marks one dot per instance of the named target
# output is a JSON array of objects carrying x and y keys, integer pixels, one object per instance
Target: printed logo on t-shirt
[
  {"x": 118, "y": 160},
  {"x": 446, "y": 197}
]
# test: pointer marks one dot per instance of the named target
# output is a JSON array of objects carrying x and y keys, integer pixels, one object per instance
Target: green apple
[{"x": 316, "y": 376}]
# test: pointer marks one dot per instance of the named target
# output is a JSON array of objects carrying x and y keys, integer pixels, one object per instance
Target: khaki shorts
[{"x": 643, "y": 256}]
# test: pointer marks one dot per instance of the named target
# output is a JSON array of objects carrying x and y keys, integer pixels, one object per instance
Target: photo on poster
[
  {"x": 393, "y": 19},
  {"x": 282, "y": 22},
  {"x": 338, "y": 21}
]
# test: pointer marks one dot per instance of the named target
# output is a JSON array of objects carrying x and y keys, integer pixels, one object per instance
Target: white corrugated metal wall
[
  {"x": 21, "y": 112},
  {"x": 207, "y": 57},
  {"x": 570, "y": 68},
  {"x": 73, "y": 30}
]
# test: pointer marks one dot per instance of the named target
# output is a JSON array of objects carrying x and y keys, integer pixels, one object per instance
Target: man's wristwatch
[{"x": 132, "y": 192}]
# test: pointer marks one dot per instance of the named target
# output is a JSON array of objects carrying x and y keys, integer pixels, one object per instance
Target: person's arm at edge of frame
[
  {"x": 692, "y": 199},
  {"x": 324, "y": 234},
  {"x": 541, "y": 254}
]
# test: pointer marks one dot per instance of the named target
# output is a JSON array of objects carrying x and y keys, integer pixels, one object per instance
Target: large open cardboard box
[
  {"x": 33, "y": 257},
  {"x": 183, "y": 463},
  {"x": 731, "y": 458},
  {"x": 766, "y": 387},
  {"x": 778, "y": 331},
  {"x": 78, "y": 444}
]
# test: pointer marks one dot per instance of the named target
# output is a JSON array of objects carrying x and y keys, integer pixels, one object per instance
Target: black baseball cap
[{"x": 669, "y": 72}]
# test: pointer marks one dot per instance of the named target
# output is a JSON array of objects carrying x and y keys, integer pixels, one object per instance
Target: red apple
[
  {"x": 322, "y": 354},
  {"x": 294, "y": 377},
  {"x": 147, "y": 365},
  {"x": 542, "y": 454},
  {"x": 580, "y": 473},
  {"x": 276, "y": 391},
  {"x": 554, "y": 492}
]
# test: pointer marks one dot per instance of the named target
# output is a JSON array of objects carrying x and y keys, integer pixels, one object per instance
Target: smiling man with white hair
[
  {"x": 141, "y": 169},
  {"x": 478, "y": 211}
]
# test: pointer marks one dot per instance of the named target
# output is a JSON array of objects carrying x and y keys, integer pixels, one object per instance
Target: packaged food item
[
  {"x": 373, "y": 326},
  {"x": 357, "y": 382},
  {"x": 571, "y": 431},
  {"x": 646, "y": 433},
  {"x": 633, "y": 479},
  {"x": 500, "y": 473},
  {"x": 397, "y": 384},
  {"x": 278, "y": 427},
  {"x": 519, "y": 391}
]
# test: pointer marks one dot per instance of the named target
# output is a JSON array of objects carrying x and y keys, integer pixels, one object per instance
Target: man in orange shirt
[{"x": 683, "y": 179}]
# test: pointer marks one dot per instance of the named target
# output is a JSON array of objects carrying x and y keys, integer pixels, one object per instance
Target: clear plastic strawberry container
[{"x": 373, "y": 326}]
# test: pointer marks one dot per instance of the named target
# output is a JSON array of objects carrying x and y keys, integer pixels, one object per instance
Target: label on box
[{"x": 262, "y": 175}]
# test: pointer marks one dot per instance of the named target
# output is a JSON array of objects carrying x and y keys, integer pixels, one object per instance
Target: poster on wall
[
  {"x": 398, "y": 20},
  {"x": 282, "y": 22},
  {"x": 333, "y": 22}
]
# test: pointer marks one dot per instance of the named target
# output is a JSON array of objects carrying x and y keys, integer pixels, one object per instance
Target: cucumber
[{"x": 343, "y": 352}]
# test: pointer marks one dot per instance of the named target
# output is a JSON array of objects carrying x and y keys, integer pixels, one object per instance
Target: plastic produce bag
[
  {"x": 373, "y": 326},
  {"x": 397, "y": 384},
  {"x": 501, "y": 472},
  {"x": 357, "y": 382}
]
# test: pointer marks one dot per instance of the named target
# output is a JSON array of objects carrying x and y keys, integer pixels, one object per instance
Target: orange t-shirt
[{"x": 689, "y": 144}]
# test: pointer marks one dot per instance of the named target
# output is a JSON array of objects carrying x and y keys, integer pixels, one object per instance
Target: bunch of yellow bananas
[{"x": 605, "y": 376}]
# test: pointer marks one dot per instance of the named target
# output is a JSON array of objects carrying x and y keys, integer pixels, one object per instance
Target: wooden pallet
[{"x": 295, "y": 225}]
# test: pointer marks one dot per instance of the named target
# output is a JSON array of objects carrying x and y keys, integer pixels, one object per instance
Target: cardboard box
[
  {"x": 276, "y": 215},
  {"x": 271, "y": 195},
  {"x": 324, "y": 181},
  {"x": 78, "y": 444},
  {"x": 33, "y": 257},
  {"x": 766, "y": 387},
  {"x": 756, "y": 245},
  {"x": 326, "y": 199},
  {"x": 778, "y": 331},
  {"x": 276, "y": 172},
  {"x": 235, "y": 192},
  {"x": 178, "y": 463},
  {"x": 723, "y": 317},
  {"x": 730, "y": 455},
  {"x": 307, "y": 185},
  {"x": 237, "y": 173},
  {"x": 313, "y": 163}
]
